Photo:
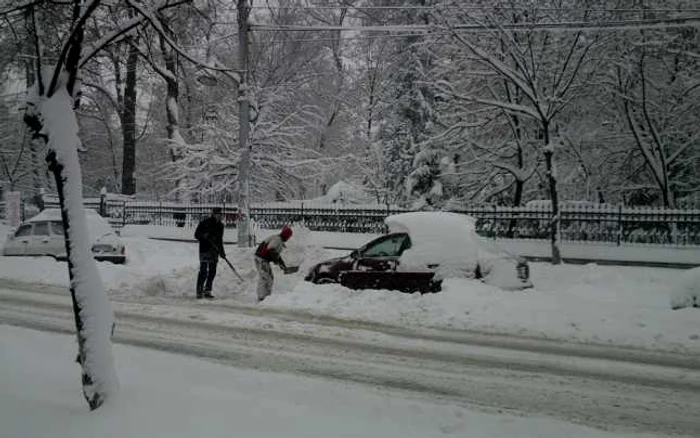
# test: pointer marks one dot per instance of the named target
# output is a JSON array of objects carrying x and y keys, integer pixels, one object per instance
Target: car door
[
  {"x": 17, "y": 245},
  {"x": 57, "y": 245},
  {"x": 40, "y": 241},
  {"x": 382, "y": 254},
  {"x": 375, "y": 264}
]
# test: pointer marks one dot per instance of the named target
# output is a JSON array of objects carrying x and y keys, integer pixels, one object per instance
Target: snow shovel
[
  {"x": 225, "y": 259},
  {"x": 290, "y": 269},
  {"x": 232, "y": 268}
]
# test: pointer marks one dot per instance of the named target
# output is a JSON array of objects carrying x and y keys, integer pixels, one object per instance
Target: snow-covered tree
[
  {"x": 406, "y": 113},
  {"x": 546, "y": 67},
  {"x": 656, "y": 90},
  {"x": 50, "y": 115},
  {"x": 281, "y": 164}
]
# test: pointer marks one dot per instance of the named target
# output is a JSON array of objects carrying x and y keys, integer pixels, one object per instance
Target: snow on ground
[
  {"x": 588, "y": 303},
  {"x": 166, "y": 395},
  {"x": 686, "y": 292}
]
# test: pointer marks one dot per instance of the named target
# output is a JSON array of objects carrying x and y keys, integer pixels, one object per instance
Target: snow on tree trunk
[
  {"x": 172, "y": 112},
  {"x": 94, "y": 318},
  {"x": 554, "y": 196},
  {"x": 129, "y": 123},
  {"x": 244, "y": 236}
]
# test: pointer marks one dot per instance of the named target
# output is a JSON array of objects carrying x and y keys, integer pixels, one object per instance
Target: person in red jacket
[{"x": 270, "y": 251}]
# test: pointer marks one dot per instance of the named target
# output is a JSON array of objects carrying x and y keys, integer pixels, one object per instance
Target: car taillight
[{"x": 123, "y": 249}]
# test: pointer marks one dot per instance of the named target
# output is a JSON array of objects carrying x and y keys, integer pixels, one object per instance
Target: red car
[
  {"x": 374, "y": 266},
  {"x": 419, "y": 251}
]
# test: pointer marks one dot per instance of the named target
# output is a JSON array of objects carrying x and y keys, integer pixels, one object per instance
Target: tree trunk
[
  {"x": 244, "y": 237},
  {"x": 129, "y": 123},
  {"x": 172, "y": 111},
  {"x": 553, "y": 195},
  {"x": 50, "y": 114}
]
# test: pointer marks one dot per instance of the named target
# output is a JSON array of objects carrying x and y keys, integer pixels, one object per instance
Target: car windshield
[
  {"x": 389, "y": 246},
  {"x": 24, "y": 230},
  {"x": 41, "y": 229}
]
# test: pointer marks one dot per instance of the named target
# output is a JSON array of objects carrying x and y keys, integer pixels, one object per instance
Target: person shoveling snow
[
  {"x": 210, "y": 234},
  {"x": 270, "y": 251}
]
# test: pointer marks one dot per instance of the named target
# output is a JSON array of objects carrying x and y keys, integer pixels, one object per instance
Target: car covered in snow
[
  {"x": 419, "y": 251},
  {"x": 42, "y": 235}
]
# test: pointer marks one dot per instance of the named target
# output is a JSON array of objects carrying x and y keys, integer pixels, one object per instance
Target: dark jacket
[{"x": 208, "y": 232}]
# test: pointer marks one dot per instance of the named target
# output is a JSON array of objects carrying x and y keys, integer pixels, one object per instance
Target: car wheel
[{"x": 323, "y": 280}]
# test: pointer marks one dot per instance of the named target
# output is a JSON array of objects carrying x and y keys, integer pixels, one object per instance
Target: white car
[{"x": 42, "y": 235}]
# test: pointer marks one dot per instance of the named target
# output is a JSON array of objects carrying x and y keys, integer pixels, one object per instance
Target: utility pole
[{"x": 244, "y": 239}]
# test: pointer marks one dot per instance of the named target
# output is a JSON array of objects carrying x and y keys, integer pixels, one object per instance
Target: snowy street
[
  {"x": 391, "y": 219},
  {"x": 607, "y": 388},
  {"x": 597, "y": 346}
]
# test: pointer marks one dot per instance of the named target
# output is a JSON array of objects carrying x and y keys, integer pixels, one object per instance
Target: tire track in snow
[{"x": 602, "y": 393}]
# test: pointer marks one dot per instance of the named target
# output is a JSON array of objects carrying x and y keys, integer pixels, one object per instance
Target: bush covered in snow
[{"x": 686, "y": 292}]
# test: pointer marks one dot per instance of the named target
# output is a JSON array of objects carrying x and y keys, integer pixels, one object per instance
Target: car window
[
  {"x": 390, "y": 246},
  {"x": 24, "y": 230},
  {"x": 57, "y": 228},
  {"x": 41, "y": 229}
]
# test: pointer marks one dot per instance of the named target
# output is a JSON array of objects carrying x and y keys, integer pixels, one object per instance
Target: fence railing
[{"x": 603, "y": 223}]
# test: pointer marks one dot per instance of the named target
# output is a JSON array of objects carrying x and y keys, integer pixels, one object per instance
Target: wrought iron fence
[
  {"x": 600, "y": 223},
  {"x": 592, "y": 223}
]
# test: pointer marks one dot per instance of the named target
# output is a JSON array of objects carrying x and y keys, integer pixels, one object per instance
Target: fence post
[
  {"x": 495, "y": 223},
  {"x": 103, "y": 202},
  {"x": 619, "y": 224}
]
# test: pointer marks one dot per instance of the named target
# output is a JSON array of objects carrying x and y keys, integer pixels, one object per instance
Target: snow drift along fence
[{"x": 599, "y": 223}]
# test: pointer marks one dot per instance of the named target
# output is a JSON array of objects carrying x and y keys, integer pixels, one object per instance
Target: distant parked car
[
  {"x": 42, "y": 235},
  {"x": 420, "y": 250}
]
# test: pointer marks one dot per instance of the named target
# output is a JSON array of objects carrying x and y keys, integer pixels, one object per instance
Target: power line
[
  {"x": 475, "y": 8},
  {"x": 570, "y": 26},
  {"x": 357, "y": 38}
]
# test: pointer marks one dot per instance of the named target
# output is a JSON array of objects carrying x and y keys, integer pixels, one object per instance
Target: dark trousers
[{"x": 207, "y": 272}]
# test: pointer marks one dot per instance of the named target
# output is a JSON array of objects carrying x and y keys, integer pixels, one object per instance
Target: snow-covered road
[{"x": 608, "y": 388}]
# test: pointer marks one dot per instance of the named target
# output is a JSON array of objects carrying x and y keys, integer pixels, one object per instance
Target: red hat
[{"x": 286, "y": 233}]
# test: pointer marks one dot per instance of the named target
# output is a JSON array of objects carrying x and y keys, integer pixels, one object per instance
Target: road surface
[{"x": 614, "y": 389}]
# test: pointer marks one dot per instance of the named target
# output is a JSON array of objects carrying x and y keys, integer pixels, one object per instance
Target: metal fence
[{"x": 613, "y": 224}]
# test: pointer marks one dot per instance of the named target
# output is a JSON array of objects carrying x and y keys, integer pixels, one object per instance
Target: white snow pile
[{"x": 686, "y": 292}]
